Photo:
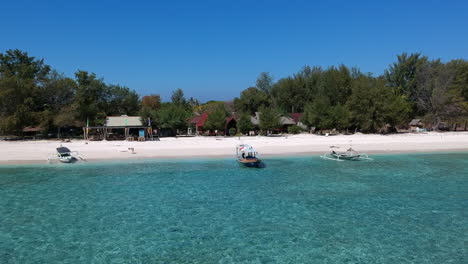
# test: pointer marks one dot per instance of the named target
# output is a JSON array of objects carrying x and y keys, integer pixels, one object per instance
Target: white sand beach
[{"x": 24, "y": 152}]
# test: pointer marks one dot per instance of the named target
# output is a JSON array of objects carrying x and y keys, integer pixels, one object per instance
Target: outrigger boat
[
  {"x": 65, "y": 155},
  {"x": 247, "y": 156},
  {"x": 349, "y": 154}
]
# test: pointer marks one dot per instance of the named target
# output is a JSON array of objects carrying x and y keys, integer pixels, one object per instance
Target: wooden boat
[
  {"x": 247, "y": 156},
  {"x": 349, "y": 154}
]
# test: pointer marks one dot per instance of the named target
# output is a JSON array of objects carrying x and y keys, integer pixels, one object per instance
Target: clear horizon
[{"x": 215, "y": 50}]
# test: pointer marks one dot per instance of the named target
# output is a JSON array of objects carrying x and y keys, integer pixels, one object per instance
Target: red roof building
[
  {"x": 198, "y": 122},
  {"x": 296, "y": 117}
]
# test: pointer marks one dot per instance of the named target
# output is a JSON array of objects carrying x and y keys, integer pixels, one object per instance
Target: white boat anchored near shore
[
  {"x": 349, "y": 154},
  {"x": 247, "y": 156},
  {"x": 65, "y": 155}
]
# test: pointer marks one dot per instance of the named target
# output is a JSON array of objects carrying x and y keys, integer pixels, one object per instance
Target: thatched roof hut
[{"x": 32, "y": 132}]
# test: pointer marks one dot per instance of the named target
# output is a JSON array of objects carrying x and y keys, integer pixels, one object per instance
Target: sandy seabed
[{"x": 25, "y": 152}]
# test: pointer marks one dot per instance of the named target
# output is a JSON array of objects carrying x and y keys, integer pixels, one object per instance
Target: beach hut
[
  {"x": 196, "y": 124},
  {"x": 285, "y": 122},
  {"x": 255, "y": 121},
  {"x": 297, "y": 118},
  {"x": 120, "y": 128},
  {"x": 231, "y": 122},
  {"x": 32, "y": 132},
  {"x": 132, "y": 127}
]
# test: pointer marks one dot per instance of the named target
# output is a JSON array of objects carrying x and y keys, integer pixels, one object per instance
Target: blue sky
[{"x": 215, "y": 49}]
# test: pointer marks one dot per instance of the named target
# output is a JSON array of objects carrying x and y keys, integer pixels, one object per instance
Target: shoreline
[
  {"x": 36, "y": 152},
  {"x": 182, "y": 158}
]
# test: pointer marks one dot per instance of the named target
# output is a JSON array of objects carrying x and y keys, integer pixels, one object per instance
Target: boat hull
[
  {"x": 346, "y": 157},
  {"x": 255, "y": 163},
  {"x": 67, "y": 159}
]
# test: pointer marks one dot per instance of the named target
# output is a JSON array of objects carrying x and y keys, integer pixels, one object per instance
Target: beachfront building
[
  {"x": 231, "y": 122},
  {"x": 297, "y": 119},
  {"x": 285, "y": 121},
  {"x": 123, "y": 127},
  {"x": 32, "y": 132},
  {"x": 197, "y": 125}
]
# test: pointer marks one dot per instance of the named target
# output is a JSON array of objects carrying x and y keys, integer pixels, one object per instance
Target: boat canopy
[
  {"x": 247, "y": 149},
  {"x": 63, "y": 150}
]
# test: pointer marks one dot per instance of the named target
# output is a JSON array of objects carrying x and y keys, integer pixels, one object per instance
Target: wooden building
[
  {"x": 124, "y": 127},
  {"x": 32, "y": 132}
]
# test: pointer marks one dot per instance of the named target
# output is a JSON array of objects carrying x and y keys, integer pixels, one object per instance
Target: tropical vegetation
[{"x": 32, "y": 93}]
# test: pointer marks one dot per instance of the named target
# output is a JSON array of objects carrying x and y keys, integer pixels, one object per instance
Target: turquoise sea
[{"x": 410, "y": 208}]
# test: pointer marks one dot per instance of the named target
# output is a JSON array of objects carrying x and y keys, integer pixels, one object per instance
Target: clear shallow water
[{"x": 396, "y": 209}]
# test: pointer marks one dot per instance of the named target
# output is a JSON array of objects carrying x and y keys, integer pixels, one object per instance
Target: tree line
[
  {"x": 34, "y": 94},
  {"x": 345, "y": 98}
]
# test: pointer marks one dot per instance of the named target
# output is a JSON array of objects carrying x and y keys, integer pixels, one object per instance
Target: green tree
[
  {"x": 318, "y": 113},
  {"x": 269, "y": 119},
  {"x": 122, "y": 101},
  {"x": 312, "y": 78},
  {"x": 336, "y": 84},
  {"x": 66, "y": 117},
  {"x": 397, "y": 109},
  {"x": 172, "y": 116},
  {"x": 264, "y": 82},
  {"x": 57, "y": 92},
  {"x": 178, "y": 98},
  {"x": 19, "y": 64},
  {"x": 449, "y": 102},
  {"x": 294, "y": 129},
  {"x": 217, "y": 119},
  {"x": 340, "y": 116},
  {"x": 210, "y": 106},
  {"x": 250, "y": 100},
  {"x": 365, "y": 104},
  {"x": 89, "y": 102},
  {"x": 21, "y": 79},
  {"x": 289, "y": 94},
  {"x": 244, "y": 123},
  {"x": 460, "y": 79},
  {"x": 193, "y": 103},
  {"x": 402, "y": 75},
  {"x": 374, "y": 105}
]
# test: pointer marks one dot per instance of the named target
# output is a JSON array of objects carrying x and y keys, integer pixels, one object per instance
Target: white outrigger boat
[
  {"x": 65, "y": 155},
  {"x": 349, "y": 154},
  {"x": 247, "y": 156}
]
